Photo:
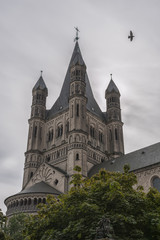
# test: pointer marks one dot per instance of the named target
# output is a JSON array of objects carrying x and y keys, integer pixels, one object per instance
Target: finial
[
  {"x": 111, "y": 76},
  {"x": 41, "y": 73},
  {"x": 77, "y": 30}
]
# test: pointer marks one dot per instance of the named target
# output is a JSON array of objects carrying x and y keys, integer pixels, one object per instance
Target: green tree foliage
[
  {"x": 15, "y": 226},
  {"x": 133, "y": 215},
  {"x": 2, "y": 225}
]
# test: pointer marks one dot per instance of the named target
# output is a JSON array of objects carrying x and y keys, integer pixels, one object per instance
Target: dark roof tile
[
  {"x": 62, "y": 103},
  {"x": 137, "y": 160},
  {"x": 112, "y": 87}
]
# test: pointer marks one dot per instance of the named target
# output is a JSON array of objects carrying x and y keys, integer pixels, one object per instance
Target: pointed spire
[
  {"x": 62, "y": 100},
  {"x": 77, "y": 57},
  {"x": 112, "y": 87},
  {"x": 40, "y": 84}
]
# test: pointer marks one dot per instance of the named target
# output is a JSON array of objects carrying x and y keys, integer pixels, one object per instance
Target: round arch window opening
[{"x": 156, "y": 183}]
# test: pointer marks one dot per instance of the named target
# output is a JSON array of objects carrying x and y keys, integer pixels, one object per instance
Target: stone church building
[{"x": 76, "y": 132}]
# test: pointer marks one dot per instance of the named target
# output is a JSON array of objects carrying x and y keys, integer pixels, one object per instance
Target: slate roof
[
  {"x": 137, "y": 160},
  {"x": 62, "y": 103},
  {"x": 40, "y": 187},
  {"x": 112, "y": 87},
  {"x": 40, "y": 84}
]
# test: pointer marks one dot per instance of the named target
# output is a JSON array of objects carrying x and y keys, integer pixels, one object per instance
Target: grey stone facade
[{"x": 73, "y": 132}]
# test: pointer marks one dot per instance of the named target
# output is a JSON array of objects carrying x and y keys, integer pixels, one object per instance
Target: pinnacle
[{"x": 112, "y": 87}]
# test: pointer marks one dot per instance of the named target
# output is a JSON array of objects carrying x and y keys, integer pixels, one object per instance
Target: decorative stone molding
[{"x": 44, "y": 174}]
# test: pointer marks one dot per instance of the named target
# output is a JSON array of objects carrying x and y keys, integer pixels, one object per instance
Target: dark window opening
[
  {"x": 77, "y": 88},
  {"x": 67, "y": 127},
  {"x": 29, "y": 201},
  {"x": 31, "y": 174},
  {"x": 116, "y": 134},
  {"x": 56, "y": 181},
  {"x": 25, "y": 201},
  {"x": 156, "y": 183},
  {"x": 35, "y": 201},
  {"x": 35, "y": 131},
  {"x": 58, "y": 154},
  {"x": 92, "y": 132},
  {"x": 60, "y": 131},
  {"x": 77, "y": 156},
  {"x": 50, "y": 135},
  {"x": 77, "y": 110},
  {"x": 100, "y": 137},
  {"x": 77, "y": 72},
  {"x": 21, "y": 202}
]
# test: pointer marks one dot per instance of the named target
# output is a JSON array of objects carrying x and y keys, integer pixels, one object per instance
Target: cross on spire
[{"x": 77, "y": 30}]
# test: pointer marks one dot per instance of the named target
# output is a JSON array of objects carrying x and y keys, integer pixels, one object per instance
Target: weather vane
[
  {"x": 111, "y": 76},
  {"x": 77, "y": 30},
  {"x": 41, "y": 73}
]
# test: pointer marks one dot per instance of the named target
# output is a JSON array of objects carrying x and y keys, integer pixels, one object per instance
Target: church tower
[
  {"x": 77, "y": 154},
  {"x": 73, "y": 132},
  {"x": 114, "y": 122},
  {"x": 33, "y": 155}
]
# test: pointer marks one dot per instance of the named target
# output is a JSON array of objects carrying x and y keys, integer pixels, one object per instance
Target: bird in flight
[{"x": 131, "y": 36}]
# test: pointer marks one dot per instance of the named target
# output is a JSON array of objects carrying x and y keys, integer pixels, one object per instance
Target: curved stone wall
[{"x": 26, "y": 203}]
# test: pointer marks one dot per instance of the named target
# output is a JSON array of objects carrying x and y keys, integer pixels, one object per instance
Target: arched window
[
  {"x": 29, "y": 201},
  {"x": 56, "y": 181},
  {"x": 100, "y": 137},
  {"x": 25, "y": 201},
  {"x": 77, "y": 112},
  {"x": 21, "y": 202},
  {"x": 35, "y": 131},
  {"x": 116, "y": 134},
  {"x": 50, "y": 135},
  {"x": 35, "y": 201},
  {"x": 67, "y": 127},
  {"x": 77, "y": 88},
  {"x": 92, "y": 131},
  {"x": 156, "y": 182},
  {"x": 77, "y": 156},
  {"x": 31, "y": 174},
  {"x": 60, "y": 131}
]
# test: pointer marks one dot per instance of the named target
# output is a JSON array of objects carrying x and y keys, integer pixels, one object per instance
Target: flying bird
[{"x": 131, "y": 36}]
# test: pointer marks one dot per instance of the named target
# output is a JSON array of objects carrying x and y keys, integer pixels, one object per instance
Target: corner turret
[
  {"x": 39, "y": 93},
  {"x": 114, "y": 123},
  {"x": 33, "y": 155}
]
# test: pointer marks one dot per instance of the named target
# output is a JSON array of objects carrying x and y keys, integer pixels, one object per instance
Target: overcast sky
[{"x": 38, "y": 35}]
